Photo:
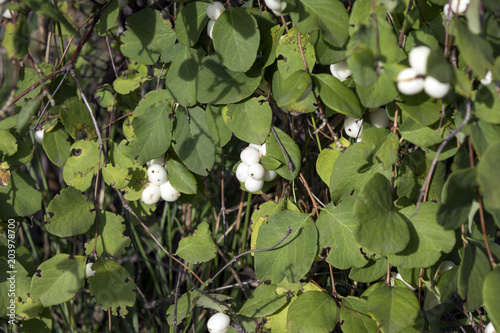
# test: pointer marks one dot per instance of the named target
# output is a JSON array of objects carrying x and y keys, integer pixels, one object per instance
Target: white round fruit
[
  {"x": 256, "y": 171},
  {"x": 489, "y": 328},
  {"x": 210, "y": 28},
  {"x": 158, "y": 160},
  {"x": 150, "y": 194},
  {"x": 488, "y": 78},
  {"x": 379, "y": 118},
  {"x": 435, "y": 88},
  {"x": 253, "y": 185},
  {"x": 418, "y": 58},
  {"x": 340, "y": 70},
  {"x": 254, "y": 146},
  {"x": 7, "y": 14},
  {"x": 169, "y": 193},
  {"x": 445, "y": 266},
  {"x": 250, "y": 156},
  {"x": 274, "y": 4},
  {"x": 218, "y": 323},
  {"x": 353, "y": 127},
  {"x": 157, "y": 175},
  {"x": 409, "y": 82},
  {"x": 89, "y": 272},
  {"x": 459, "y": 7},
  {"x": 270, "y": 175},
  {"x": 39, "y": 136},
  {"x": 214, "y": 10},
  {"x": 263, "y": 150},
  {"x": 242, "y": 172}
]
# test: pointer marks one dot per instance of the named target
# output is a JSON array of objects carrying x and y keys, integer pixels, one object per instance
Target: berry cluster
[
  {"x": 213, "y": 12},
  {"x": 413, "y": 80},
  {"x": 250, "y": 171},
  {"x": 158, "y": 185},
  {"x": 354, "y": 127},
  {"x": 277, "y": 6}
]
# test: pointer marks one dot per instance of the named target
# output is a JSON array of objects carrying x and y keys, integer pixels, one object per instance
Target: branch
[{"x": 288, "y": 162}]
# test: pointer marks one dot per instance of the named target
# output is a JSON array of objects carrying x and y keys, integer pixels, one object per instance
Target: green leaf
[
  {"x": 236, "y": 39},
  {"x": 457, "y": 197},
  {"x": 427, "y": 238},
  {"x": 423, "y": 136},
  {"x": 274, "y": 150},
  {"x": 474, "y": 268},
  {"x": 294, "y": 256},
  {"x": 77, "y": 120},
  {"x": 313, "y": 311},
  {"x": 219, "y": 85},
  {"x": 28, "y": 110},
  {"x": 382, "y": 92},
  {"x": 181, "y": 178},
  {"x": 148, "y": 36},
  {"x": 8, "y": 143},
  {"x": 185, "y": 306},
  {"x": 70, "y": 214},
  {"x": 190, "y": 23},
  {"x": 326, "y": 54},
  {"x": 111, "y": 241},
  {"x": 491, "y": 290},
  {"x": 330, "y": 16},
  {"x": 289, "y": 54},
  {"x": 335, "y": 226},
  {"x": 199, "y": 247},
  {"x": 117, "y": 177},
  {"x": 49, "y": 10},
  {"x": 12, "y": 273},
  {"x": 373, "y": 271},
  {"x": 487, "y": 170},
  {"x": 295, "y": 88},
  {"x": 192, "y": 141},
  {"x": 306, "y": 104},
  {"x": 80, "y": 168},
  {"x": 108, "y": 18},
  {"x": 327, "y": 158},
  {"x": 153, "y": 128},
  {"x": 380, "y": 228},
  {"x": 20, "y": 197},
  {"x": 28, "y": 309},
  {"x": 353, "y": 314},
  {"x": 61, "y": 277},
  {"x": 383, "y": 146},
  {"x": 250, "y": 119},
  {"x": 221, "y": 134},
  {"x": 29, "y": 77},
  {"x": 112, "y": 287},
  {"x": 57, "y": 145},
  {"x": 337, "y": 96},
  {"x": 263, "y": 302},
  {"x": 487, "y": 104},
  {"x": 128, "y": 81},
  {"x": 421, "y": 108},
  {"x": 394, "y": 309}
]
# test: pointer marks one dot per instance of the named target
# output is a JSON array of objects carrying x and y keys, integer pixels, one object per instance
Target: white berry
[
  {"x": 210, "y": 28},
  {"x": 89, "y": 272},
  {"x": 253, "y": 185},
  {"x": 489, "y": 328},
  {"x": 270, "y": 175},
  {"x": 418, "y": 58},
  {"x": 263, "y": 150},
  {"x": 488, "y": 78},
  {"x": 379, "y": 118},
  {"x": 169, "y": 193},
  {"x": 157, "y": 175},
  {"x": 242, "y": 172},
  {"x": 39, "y": 136},
  {"x": 274, "y": 4},
  {"x": 409, "y": 82},
  {"x": 254, "y": 146},
  {"x": 159, "y": 160},
  {"x": 459, "y": 7},
  {"x": 250, "y": 156},
  {"x": 445, "y": 266},
  {"x": 214, "y": 10},
  {"x": 218, "y": 323},
  {"x": 435, "y": 88},
  {"x": 150, "y": 194},
  {"x": 7, "y": 14},
  {"x": 353, "y": 127},
  {"x": 340, "y": 70},
  {"x": 256, "y": 171}
]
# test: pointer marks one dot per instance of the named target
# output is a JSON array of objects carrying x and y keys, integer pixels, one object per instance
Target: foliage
[{"x": 350, "y": 237}]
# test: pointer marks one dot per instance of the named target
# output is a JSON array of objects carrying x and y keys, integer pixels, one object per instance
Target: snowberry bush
[{"x": 365, "y": 199}]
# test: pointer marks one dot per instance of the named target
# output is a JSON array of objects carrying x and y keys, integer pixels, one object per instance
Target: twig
[
  {"x": 176, "y": 299},
  {"x": 289, "y": 163},
  {"x": 111, "y": 55},
  {"x": 402, "y": 33},
  {"x": 304, "y": 182},
  {"x": 447, "y": 139},
  {"x": 288, "y": 232}
]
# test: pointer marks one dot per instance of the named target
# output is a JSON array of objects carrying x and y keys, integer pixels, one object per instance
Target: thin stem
[
  {"x": 288, "y": 162},
  {"x": 315, "y": 204}
]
